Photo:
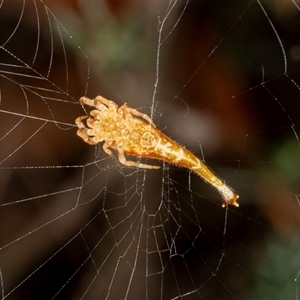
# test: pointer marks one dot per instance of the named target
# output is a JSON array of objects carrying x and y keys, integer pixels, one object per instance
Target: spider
[{"x": 129, "y": 131}]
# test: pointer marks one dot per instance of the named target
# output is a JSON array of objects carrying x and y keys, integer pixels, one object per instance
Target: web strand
[{"x": 75, "y": 223}]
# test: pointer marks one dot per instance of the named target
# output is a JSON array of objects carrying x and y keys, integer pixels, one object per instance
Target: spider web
[{"x": 221, "y": 79}]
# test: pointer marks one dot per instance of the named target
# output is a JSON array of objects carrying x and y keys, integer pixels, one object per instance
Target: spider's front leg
[
  {"x": 108, "y": 103},
  {"x": 79, "y": 122},
  {"x": 99, "y": 102}
]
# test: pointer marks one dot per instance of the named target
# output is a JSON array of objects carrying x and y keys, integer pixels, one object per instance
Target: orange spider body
[{"x": 122, "y": 131}]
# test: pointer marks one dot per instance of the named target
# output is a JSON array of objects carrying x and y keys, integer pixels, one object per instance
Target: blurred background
[{"x": 222, "y": 79}]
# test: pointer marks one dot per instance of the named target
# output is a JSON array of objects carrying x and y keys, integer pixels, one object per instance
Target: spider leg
[
  {"x": 136, "y": 113},
  {"x": 108, "y": 103},
  {"x": 129, "y": 163},
  {"x": 81, "y": 132},
  {"x": 79, "y": 122},
  {"x": 105, "y": 147},
  {"x": 139, "y": 114},
  {"x": 87, "y": 101},
  {"x": 128, "y": 112},
  {"x": 93, "y": 103}
]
